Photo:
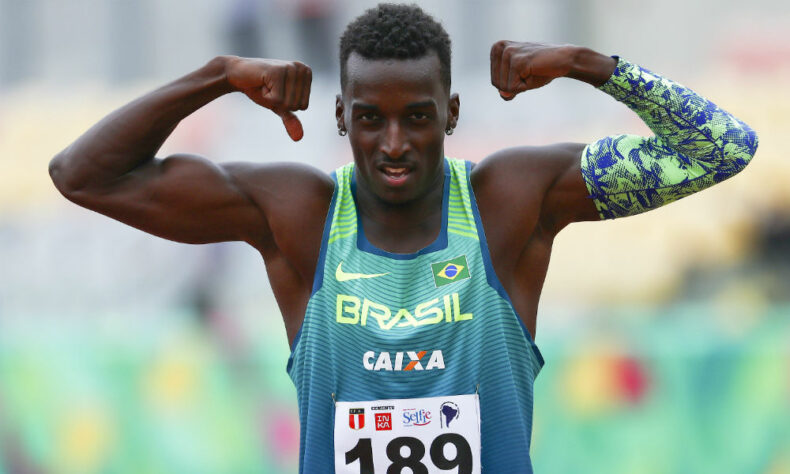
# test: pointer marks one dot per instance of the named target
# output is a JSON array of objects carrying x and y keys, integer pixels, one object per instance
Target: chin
[{"x": 395, "y": 197}]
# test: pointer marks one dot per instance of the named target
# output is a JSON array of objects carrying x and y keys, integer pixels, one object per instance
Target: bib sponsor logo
[
  {"x": 395, "y": 361},
  {"x": 409, "y": 438},
  {"x": 383, "y": 421},
  {"x": 355, "y": 310},
  {"x": 356, "y": 418},
  {"x": 416, "y": 417},
  {"x": 448, "y": 413}
]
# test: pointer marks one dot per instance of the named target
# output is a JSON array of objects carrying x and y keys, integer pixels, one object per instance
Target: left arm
[{"x": 696, "y": 144}]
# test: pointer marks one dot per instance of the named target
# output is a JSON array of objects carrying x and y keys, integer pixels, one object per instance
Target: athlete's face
[{"x": 396, "y": 112}]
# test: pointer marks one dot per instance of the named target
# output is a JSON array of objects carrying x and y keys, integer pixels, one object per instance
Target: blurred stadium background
[{"x": 666, "y": 335}]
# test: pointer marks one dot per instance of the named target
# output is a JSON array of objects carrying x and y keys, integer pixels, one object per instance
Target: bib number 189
[{"x": 415, "y": 452}]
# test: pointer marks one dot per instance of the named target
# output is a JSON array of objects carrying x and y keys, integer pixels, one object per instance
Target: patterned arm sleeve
[{"x": 696, "y": 145}]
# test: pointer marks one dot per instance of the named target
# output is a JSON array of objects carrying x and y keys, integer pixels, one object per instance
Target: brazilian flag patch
[{"x": 450, "y": 271}]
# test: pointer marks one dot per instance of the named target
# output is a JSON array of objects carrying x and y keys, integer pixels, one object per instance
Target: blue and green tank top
[{"x": 437, "y": 322}]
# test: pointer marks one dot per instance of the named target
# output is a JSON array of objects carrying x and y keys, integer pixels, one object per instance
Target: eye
[
  {"x": 368, "y": 117},
  {"x": 419, "y": 116}
]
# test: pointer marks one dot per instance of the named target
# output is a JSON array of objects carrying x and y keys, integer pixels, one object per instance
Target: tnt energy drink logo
[
  {"x": 450, "y": 271},
  {"x": 416, "y": 417}
]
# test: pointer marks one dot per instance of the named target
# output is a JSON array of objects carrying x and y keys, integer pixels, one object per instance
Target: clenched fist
[
  {"x": 517, "y": 67},
  {"x": 281, "y": 86}
]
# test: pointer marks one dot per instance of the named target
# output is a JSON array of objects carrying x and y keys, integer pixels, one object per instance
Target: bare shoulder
[
  {"x": 281, "y": 181},
  {"x": 295, "y": 200},
  {"x": 523, "y": 171},
  {"x": 523, "y": 190}
]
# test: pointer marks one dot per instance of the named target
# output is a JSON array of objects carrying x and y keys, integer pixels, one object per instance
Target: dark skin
[{"x": 396, "y": 113}]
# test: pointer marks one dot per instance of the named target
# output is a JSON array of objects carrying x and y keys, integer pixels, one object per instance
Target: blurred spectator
[
  {"x": 245, "y": 28},
  {"x": 14, "y": 458},
  {"x": 315, "y": 29},
  {"x": 17, "y": 45}
]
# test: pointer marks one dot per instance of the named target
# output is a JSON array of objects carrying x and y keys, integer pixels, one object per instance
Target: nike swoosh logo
[{"x": 340, "y": 275}]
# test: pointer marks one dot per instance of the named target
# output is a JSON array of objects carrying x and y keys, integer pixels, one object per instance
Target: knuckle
[{"x": 497, "y": 48}]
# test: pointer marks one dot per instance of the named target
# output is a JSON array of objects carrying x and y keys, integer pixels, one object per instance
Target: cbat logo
[
  {"x": 383, "y": 421},
  {"x": 416, "y": 417},
  {"x": 450, "y": 271},
  {"x": 356, "y": 418},
  {"x": 447, "y": 413},
  {"x": 384, "y": 361},
  {"x": 351, "y": 309}
]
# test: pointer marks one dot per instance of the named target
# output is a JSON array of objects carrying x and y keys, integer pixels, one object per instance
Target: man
[{"x": 408, "y": 282}]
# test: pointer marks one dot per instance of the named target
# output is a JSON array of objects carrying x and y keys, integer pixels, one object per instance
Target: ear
[
  {"x": 339, "y": 111},
  {"x": 453, "y": 109}
]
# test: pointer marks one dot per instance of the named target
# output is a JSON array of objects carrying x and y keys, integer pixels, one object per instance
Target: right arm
[
  {"x": 696, "y": 143},
  {"x": 112, "y": 168}
]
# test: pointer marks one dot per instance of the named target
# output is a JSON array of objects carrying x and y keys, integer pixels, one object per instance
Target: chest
[
  {"x": 394, "y": 298},
  {"x": 405, "y": 236}
]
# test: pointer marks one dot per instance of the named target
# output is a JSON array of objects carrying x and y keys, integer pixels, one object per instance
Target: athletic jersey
[{"x": 437, "y": 322}]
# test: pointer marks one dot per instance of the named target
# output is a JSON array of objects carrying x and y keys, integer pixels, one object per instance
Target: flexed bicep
[
  {"x": 112, "y": 169},
  {"x": 696, "y": 145}
]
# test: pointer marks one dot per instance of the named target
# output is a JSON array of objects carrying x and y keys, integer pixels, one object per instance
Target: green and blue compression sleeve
[{"x": 696, "y": 145}]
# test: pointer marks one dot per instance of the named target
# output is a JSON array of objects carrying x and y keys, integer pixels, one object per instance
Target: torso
[
  {"x": 367, "y": 303},
  {"x": 519, "y": 243},
  {"x": 511, "y": 187}
]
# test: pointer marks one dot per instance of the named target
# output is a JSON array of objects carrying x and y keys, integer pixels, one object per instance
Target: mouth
[{"x": 395, "y": 175}]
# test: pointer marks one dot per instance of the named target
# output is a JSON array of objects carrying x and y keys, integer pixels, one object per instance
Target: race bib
[{"x": 425, "y": 435}]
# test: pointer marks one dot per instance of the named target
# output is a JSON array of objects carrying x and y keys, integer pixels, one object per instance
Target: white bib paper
[{"x": 411, "y": 435}]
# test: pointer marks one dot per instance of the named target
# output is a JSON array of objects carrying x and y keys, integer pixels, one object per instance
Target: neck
[{"x": 402, "y": 227}]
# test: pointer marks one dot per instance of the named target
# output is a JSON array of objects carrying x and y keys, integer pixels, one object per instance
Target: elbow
[
  {"x": 751, "y": 140},
  {"x": 739, "y": 147},
  {"x": 58, "y": 172}
]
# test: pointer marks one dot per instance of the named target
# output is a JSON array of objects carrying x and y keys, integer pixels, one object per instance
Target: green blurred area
[
  {"x": 163, "y": 404},
  {"x": 672, "y": 392}
]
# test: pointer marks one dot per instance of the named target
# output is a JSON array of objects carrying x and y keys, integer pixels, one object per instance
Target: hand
[
  {"x": 517, "y": 67},
  {"x": 281, "y": 86}
]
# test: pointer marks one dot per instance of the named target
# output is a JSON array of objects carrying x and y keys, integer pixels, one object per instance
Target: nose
[{"x": 394, "y": 142}]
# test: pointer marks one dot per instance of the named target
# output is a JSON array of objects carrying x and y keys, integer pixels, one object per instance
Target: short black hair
[{"x": 391, "y": 31}]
